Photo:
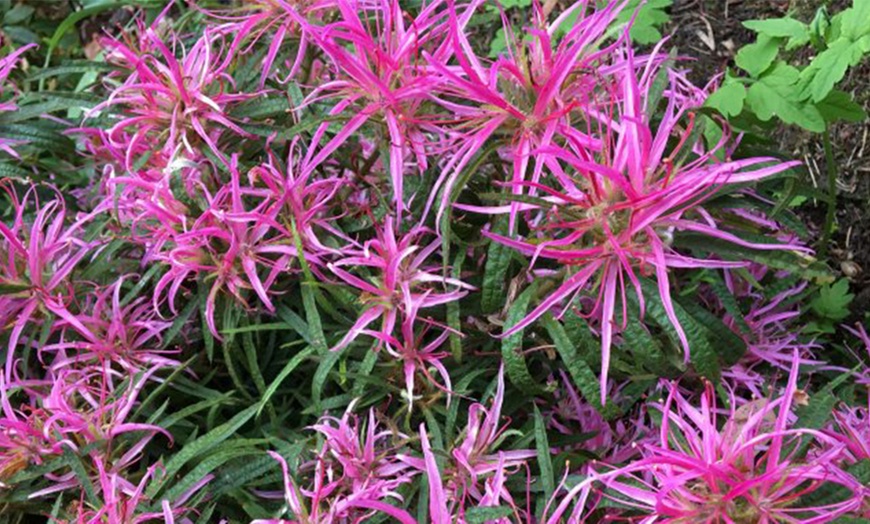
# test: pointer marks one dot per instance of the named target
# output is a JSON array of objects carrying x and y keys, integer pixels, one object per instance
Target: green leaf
[
  {"x": 729, "y": 302},
  {"x": 13, "y": 171},
  {"x": 729, "y": 346},
  {"x": 75, "y": 463},
  {"x": 856, "y": 20},
  {"x": 703, "y": 356},
  {"x": 512, "y": 346},
  {"x": 365, "y": 377},
  {"x": 309, "y": 286},
  {"x": 581, "y": 374},
  {"x": 453, "y": 313},
  {"x": 838, "y": 105},
  {"x": 485, "y": 514},
  {"x": 498, "y": 258},
  {"x": 796, "y": 31},
  {"x": 261, "y": 107},
  {"x": 651, "y": 15},
  {"x": 18, "y": 14},
  {"x": 794, "y": 262},
  {"x": 776, "y": 94},
  {"x": 70, "y": 21},
  {"x": 191, "y": 409},
  {"x": 212, "y": 462},
  {"x": 756, "y": 58},
  {"x": 545, "y": 461},
  {"x": 200, "y": 446},
  {"x": 288, "y": 368},
  {"x": 828, "y": 68},
  {"x": 728, "y": 99},
  {"x": 833, "y": 300},
  {"x": 817, "y": 412},
  {"x": 73, "y": 67},
  {"x": 328, "y": 360},
  {"x": 498, "y": 45}
]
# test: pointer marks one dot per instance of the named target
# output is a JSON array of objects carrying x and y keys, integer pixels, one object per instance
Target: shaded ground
[{"x": 711, "y": 32}]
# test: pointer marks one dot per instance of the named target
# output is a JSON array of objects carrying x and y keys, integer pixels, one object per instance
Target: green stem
[{"x": 832, "y": 194}]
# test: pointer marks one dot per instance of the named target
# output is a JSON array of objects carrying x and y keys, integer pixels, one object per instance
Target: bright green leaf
[
  {"x": 828, "y": 68},
  {"x": 756, "y": 58},
  {"x": 833, "y": 300},
  {"x": 728, "y": 99},
  {"x": 775, "y": 95},
  {"x": 780, "y": 28}
]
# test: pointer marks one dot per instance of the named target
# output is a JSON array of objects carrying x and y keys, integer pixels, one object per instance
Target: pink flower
[
  {"x": 536, "y": 96},
  {"x": 476, "y": 475},
  {"x": 416, "y": 354},
  {"x": 127, "y": 336},
  {"x": 475, "y": 454},
  {"x": 403, "y": 280},
  {"x": 228, "y": 245},
  {"x": 615, "y": 442},
  {"x": 7, "y": 64},
  {"x": 23, "y": 441},
  {"x": 36, "y": 260},
  {"x": 377, "y": 77},
  {"x": 747, "y": 469},
  {"x": 166, "y": 104},
  {"x": 353, "y": 474},
  {"x": 615, "y": 212},
  {"x": 274, "y": 21}
]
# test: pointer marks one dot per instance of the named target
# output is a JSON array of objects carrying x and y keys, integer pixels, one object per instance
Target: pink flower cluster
[
  {"x": 599, "y": 166},
  {"x": 745, "y": 463}
]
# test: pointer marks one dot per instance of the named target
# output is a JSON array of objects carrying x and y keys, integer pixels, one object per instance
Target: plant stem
[{"x": 832, "y": 194}]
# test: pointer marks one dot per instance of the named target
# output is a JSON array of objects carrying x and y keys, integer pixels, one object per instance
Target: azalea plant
[{"x": 344, "y": 261}]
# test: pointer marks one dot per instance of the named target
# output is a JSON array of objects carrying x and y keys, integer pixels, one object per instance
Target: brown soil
[{"x": 710, "y": 31}]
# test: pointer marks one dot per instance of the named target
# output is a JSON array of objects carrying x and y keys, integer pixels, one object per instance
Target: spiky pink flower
[
  {"x": 861, "y": 332},
  {"x": 534, "y": 97},
  {"x": 7, "y": 64},
  {"x": 353, "y": 475},
  {"x": 613, "y": 214},
  {"x": 415, "y": 353},
  {"x": 277, "y": 22},
  {"x": 375, "y": 52},
  {"x": 228, "y": 245},
  {"x": 476, "y": 474},
  {"x": 769, "y": 330},
  {"x": 36, "y": 261},
  {"x": 23, "y": 441},
  {"x": 475, "y": 453},
  {"x": 166, "y": 104},
  {"x": 749, "y": 468},
  {"x": 303, "y": 202},
  {"x": 615, "y": 442},
  {"x": 403, "y": 280},
  {"x": 120, "y": 505},
  {"x": 128, "y": 336}
]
